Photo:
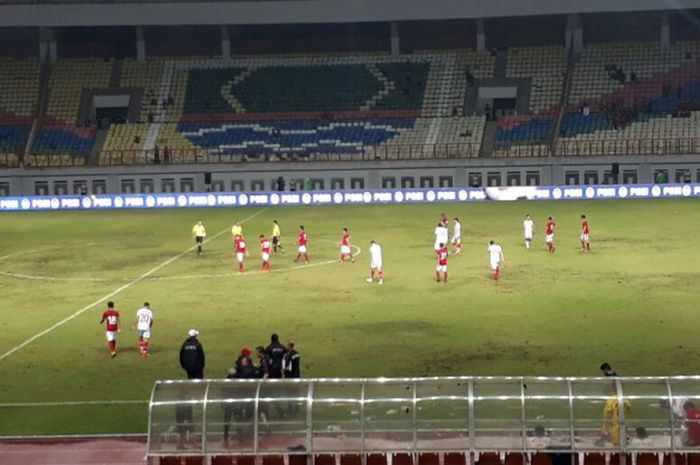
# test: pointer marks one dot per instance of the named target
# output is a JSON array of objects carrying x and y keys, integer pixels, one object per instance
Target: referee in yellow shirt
[
  {"x": 276, "y": 237},
  {"x": 237, "y": 230},
  {"x": 199, "y": 232}
]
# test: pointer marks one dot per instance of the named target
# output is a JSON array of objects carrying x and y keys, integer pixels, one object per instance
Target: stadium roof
[{"x": 156, "y": 12}]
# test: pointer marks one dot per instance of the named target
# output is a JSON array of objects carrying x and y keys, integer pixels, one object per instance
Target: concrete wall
[{"x": 346, "y": 175}]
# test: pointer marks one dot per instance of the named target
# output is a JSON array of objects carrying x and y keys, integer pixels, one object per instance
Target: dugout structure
[{"x": 425, "y": 421}]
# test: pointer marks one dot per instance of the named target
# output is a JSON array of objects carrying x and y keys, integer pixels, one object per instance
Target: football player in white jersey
[
  {"x": 143, "y": 324},
  {"x": 496, "y": 258},
  {"x": 528, "y": 230}
]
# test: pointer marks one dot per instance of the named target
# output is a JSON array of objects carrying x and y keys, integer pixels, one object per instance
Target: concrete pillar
[
  {"x": 573, "y": 37},
  {"x": 665, "y": 31},
  {"x": 140, "y": 45},
  {"x": 480, "y": 36},
  {"x": 48, "y": 49},
  {"x": 395, "y": 44},
  {"x": 225, "y": 43}
]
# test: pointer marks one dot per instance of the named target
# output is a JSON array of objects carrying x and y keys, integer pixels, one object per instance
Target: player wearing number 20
[
  {"x": 143, "y": 324},
  {"x": 111, "y": 317}
]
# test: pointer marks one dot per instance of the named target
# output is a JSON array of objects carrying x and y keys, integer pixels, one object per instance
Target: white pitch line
[
  {"x": 51, "y": 278},
  {"x": 170, "y": 278},
  {"x": 71, "y": 403},
  {"x": 22, "y": 252},
  {"x": 117, "y": 291}
]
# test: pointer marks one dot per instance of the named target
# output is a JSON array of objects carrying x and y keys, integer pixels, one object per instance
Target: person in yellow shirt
[
  {"x": 276, "y": 237},
  {"x": 237, "y": 230},
  {"x": 611, "y": 418},
  {"x": 199, "y": 232}
]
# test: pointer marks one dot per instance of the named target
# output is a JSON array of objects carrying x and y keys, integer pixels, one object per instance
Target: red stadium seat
[
  {"x": 350, "y": 459},
  {"x": 515, "y": 459},
  {"x": 455, "y": 459},
  {"x": 298, "y": 459},
  {"x": 170, "y": 460},
  {"x": 648, "y": 459},
  {"x": 680, "y": 459},
  {"x": 324, "y": 459},
  {"x": 541, "y": 459},
  {"x": 376, "y": 459},
  {"x": 244, "y": 460},
  {"x": 693, "y": 459},
  {"x": 273, "y": 460},
  {"x": 222, "y": 460},
  {"x": 594, "y": 459},
  {"x": 402, "y": 459},
  {"x": 194, "y": 460},
  {"x": 489, "y": 458},
  {"x": 428, "y": 459}
]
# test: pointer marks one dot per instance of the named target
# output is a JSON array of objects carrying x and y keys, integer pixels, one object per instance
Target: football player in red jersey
[
  {"x": 345, "y": 249},
  {"x": 441, "y": 267},
  {"x": 265, "y": 247},
  {"x": 585, "y": 230},
  {"x": 302, "y": 240},
  {"x": 240, "y": 251},
  {"x": 111, "y": 316},
  {"x": 549, "y": 234}
]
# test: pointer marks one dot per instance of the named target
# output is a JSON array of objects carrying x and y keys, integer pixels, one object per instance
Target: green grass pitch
[{"x": 631, "y": 301}]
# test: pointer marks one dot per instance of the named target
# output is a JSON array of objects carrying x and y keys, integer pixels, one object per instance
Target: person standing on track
[{"x": 192, "y": 356}]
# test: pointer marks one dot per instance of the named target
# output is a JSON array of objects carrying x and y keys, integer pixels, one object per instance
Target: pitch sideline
[{"x": 120, "y": 289}]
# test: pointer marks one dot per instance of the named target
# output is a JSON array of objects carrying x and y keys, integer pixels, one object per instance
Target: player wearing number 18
[
  {"x": 143, "y": 324},
  {"x": 111, "y": 317}
]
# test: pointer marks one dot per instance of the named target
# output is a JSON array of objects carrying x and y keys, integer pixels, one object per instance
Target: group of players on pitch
[
  {"x": 442, "y": 241},
  {"x": 495, "y": 251}
]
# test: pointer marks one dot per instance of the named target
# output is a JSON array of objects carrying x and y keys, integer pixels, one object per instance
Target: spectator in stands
[
  {"x": 292, "y": 362},
  {"x": 280, "y": 184},
  {"x": 192, "y": 356},
  {"x": 166, "y": 155},
  {"x": 608, "y": 371},
  {"x": 156, "y": 156},
  {"x": 275, "y": 355}
]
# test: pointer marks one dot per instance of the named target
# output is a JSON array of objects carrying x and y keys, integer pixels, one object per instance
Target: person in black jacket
[
  {"x": 292, "y": 362},
  {"x": 192, "y": 356},
  {"x": 275, "y": 356}
]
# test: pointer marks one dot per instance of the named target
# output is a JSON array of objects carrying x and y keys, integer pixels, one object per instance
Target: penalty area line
[{"x": 118, "y": 290}]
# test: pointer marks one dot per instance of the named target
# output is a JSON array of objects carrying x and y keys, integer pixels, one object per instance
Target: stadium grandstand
[{"x": 162, "y": 96}]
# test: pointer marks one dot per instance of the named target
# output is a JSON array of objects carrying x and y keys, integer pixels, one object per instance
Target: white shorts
[
  {"x": 376, "y": 265},
  {"x": 528, "y": 237},
  {"x": 240, "y": 256},
  {"x": 549, "y": 238},
  {"x": 457, "y": 240},
  {"x": 145, "y": 334},
  {"x": 302, "y": 249},
  {"x": 441, "y": 268},
  {"x": 495, "y": 265},
  {"x": 345, "y": 249},
  {"x": 437, "y": 246},
  {"x": 265, "y": 257},
  {"x": 584, "y": 237},
  {"x": 111, "y": 336}
]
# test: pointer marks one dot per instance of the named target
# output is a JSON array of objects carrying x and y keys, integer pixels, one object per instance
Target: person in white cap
[{"x": 192, "y": 356}]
